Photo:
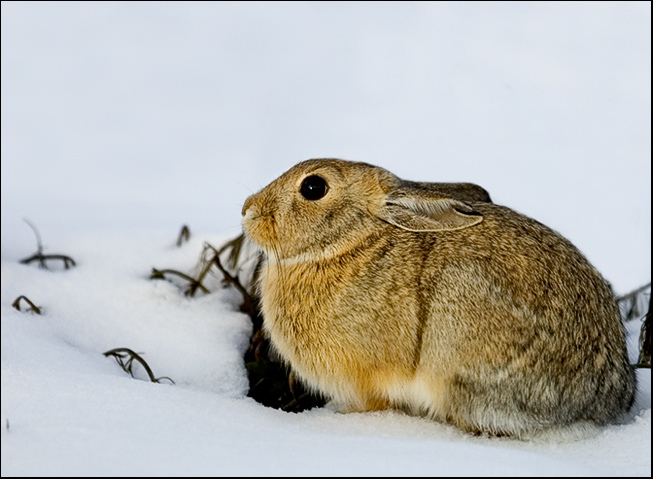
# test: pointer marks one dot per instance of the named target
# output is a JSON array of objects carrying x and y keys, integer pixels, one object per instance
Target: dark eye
[{"x": 314, "y": 187}]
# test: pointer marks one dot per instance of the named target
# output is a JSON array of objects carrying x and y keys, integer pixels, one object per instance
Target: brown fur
[{"x": 429, "y": 298}]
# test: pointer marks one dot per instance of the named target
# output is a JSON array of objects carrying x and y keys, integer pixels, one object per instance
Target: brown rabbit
[{"x": 427, "y": 297}]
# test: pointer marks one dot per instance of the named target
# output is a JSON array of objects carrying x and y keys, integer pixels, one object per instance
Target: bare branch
[
  {"x": 633, "y": 304},
  {"x": 36, "y": 233},
  {"x": 32, "y": 307},
  {"x": 120, "y": 354},
  {"x": 184, "y": 235},
  {"x": 42, "y": 258},
  {"x": 634, "y": 293},
  {"x": 193, "y": 283}
]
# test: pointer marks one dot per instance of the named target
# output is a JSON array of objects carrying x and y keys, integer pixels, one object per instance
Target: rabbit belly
[{"x": 421, "y": 395}]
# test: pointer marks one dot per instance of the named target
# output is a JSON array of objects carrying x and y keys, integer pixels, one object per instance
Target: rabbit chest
[{"x": 349, "y": 325}]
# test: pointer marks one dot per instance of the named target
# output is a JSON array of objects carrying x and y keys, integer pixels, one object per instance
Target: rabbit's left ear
[{"x": 419, "y": 210}]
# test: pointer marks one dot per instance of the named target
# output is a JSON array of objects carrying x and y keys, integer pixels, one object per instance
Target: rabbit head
[{"x": 318, "y": 204}]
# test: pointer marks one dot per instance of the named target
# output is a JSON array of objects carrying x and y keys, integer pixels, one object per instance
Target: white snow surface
[{"x": 121, "y": 122}]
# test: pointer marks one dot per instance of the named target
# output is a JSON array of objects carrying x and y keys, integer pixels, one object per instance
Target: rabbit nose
[{"x": 248, "y": 203}]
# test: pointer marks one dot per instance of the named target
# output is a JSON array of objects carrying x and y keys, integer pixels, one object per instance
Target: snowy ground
[{"x": 122, "y": 122}]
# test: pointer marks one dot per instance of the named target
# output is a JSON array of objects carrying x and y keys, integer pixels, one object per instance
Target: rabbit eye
[{"x": 314, "y": 187}]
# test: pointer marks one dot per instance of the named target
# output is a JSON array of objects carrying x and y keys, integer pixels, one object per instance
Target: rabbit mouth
[{"x": 259, "y": 228}]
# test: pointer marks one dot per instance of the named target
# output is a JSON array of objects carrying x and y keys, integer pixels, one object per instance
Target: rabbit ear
[
  {"x": 420, "y": 210},
  {"x": 459, "y": 191}
]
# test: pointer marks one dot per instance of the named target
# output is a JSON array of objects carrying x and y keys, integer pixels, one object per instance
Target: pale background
[{"x": 123, "y": 121}]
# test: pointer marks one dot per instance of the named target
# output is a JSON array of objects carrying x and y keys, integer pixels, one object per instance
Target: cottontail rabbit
[{"x": 427, "y": 297}]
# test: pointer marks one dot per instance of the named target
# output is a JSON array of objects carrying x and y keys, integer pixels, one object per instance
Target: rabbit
[{"x": 384, "y": 293}]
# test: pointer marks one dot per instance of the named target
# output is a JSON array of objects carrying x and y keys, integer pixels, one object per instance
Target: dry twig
[
  {"x": 42, "y": 258},
  {"x": 184, "y": 235},
  {"x": 32, "y": 307},
  {"x": 194, "y": 284},
  {"x": 632, "y": 305},
  {"x": 120, "y": 354}
]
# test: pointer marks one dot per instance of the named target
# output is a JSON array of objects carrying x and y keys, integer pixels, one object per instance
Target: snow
[{"x": 121, "y": 122}]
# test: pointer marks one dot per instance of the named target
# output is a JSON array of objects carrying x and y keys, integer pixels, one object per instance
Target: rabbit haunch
[{"x": 386, "y": 293}]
